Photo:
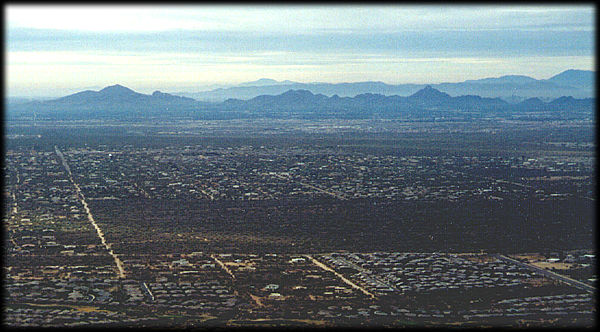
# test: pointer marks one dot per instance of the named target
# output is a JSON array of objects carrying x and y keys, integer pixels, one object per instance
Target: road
[
  {"x": 148, "y": 290},
  {"x": 118, "y": 262},
  {"x": 550, "y": 274},
  {"x": 308, "y": 185},
  {"x": 348, "y": 282},
  {"x": 381, "y": 279},
  {"x": 222, "y": 265}
]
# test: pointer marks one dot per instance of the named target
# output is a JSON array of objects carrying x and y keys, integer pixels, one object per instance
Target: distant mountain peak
[
  {"x": 564, "y": 99},
  {"x": 574, "y": 77},
  {"x": 163, "y": 95},
  {"x": 264, "y": 82},
  {"x": 169, "y": 97},
  {"x": 159, "y": 94},
  {"x": 505, "y": 79},
  {"x": 429, "y": 93},
  {"x": 573, "y": 71},
  {"x": 298, "y": 92},
  {"x": 117, "y": 88},
  {"x": 532, "y": 100}
]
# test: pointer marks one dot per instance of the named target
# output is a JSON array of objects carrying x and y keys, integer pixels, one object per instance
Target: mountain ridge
[
  {"x": 117, "y": 100},
  {"x": 504, "y": 87}
]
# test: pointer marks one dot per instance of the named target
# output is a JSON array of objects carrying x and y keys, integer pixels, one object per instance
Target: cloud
[
  {"x": 422, "y": 43},
  {"x": 173, "y": 46},
  {"x": 306, "y": 19}
]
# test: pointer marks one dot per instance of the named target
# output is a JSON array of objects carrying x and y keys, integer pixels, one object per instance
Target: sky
[{"x": 59, "y": 49}]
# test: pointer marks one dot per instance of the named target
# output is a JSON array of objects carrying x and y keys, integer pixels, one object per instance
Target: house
[{"x": 271, "y": 287}]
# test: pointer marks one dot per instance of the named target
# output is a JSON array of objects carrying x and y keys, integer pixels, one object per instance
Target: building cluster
[
  {"x": 259, "y": 173},
  {"x": 413, "y": 272},
  {"x": 176, "y": 219}
]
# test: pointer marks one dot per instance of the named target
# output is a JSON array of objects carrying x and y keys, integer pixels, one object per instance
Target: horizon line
[{"x": 233, "y": 85}]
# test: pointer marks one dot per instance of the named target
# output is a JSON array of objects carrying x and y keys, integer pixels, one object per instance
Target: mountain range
[
  {"x": 115, "y": 101},
  {"x": 576, "y": 83},
  {"x": 119, "y": 102},
  {"x": 427, "y": 101},
  {"x": 304, "y": 100},
  {"x": 119, "y": 96}
]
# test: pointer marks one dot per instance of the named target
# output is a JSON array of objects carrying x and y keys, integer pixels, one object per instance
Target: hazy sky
[{"x": 55, "y": 50}]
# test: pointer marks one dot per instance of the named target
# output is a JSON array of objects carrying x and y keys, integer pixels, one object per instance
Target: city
[{"x": 165, "y": 233}]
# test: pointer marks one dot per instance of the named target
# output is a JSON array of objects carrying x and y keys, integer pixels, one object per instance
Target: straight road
[
  {"x": 148, "y": 291},
  {"x": 308, "y": 185},
  {"x": 381, "y": 279},
  {"x": 118, "y": 262},
  {"x": 571, "y": 282},
  {"x": 348, "y": 282},
  {"x": 222, "y": 265}
]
